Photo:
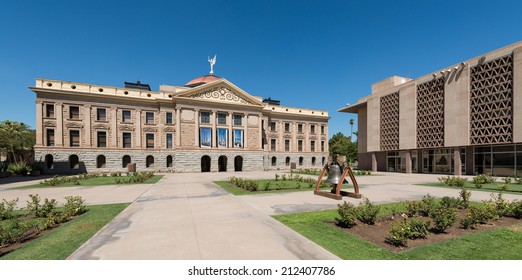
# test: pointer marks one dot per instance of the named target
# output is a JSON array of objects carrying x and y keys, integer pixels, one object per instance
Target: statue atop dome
[{"x": 212, "y": 62}]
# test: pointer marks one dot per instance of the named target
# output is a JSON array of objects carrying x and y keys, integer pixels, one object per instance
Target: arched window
[
  {"x": 149, "y": 161},
  {"x": 125, "y": 160},
  {"x": 100, "y": 161},
  {"x": 49, "y": 161},
  {"x": 74, "y": 162},
  {"x": 238, "y": 163},
  {"x": 274, "y": 161},
  {"x": 300, "y": 160},
  {"x": 287, "y": 161},
  {"x": 322, "y": 160},
  {"x": 169, "y": 161},
  {"x": 313, "y": 160}
]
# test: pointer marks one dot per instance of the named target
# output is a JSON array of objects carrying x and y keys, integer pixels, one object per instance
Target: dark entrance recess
[
  {"x": 205, "y": 164},
  {"x": 238, "y": 163},
  {"x": 222, "y": 164}
]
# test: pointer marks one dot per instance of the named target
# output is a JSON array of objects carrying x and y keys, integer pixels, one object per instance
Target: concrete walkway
[{"x": 185, "y": 216}]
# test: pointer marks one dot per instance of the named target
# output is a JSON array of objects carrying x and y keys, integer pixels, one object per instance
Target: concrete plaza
[{"x": 186, "y": 216}]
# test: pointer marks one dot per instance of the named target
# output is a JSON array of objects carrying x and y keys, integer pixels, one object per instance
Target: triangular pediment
[{"x": 221, "y": 91}]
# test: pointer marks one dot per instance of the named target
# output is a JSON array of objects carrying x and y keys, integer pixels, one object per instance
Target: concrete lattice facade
[
  {"x": 464, "y": 119},
  {"x": 206, "y": 125}
]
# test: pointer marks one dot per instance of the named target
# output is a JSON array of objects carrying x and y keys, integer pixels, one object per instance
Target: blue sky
[{"x": 312, "y": 54}]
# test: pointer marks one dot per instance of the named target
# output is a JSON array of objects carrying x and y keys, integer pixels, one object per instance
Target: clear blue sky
[{"x": 312, "y": 54}]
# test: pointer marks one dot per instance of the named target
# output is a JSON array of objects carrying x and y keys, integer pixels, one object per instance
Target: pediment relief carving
[
  {"x": 49, "y": 124},
  {"x": 221, "y": 94},
  {"x": 150, "y": 129},
  {"x": 74, "y": 125},
  {"x": 101, "y": 126},
  {"x": 126, "y": 128},
  {"x": 169, "y": 129}
]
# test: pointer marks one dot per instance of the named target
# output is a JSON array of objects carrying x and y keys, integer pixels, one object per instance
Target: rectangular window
[
  {"x": 287, "y": 145},
  {"x": 322, "y": 129},
  {"x": 287, "y": 127},
  {"x": 238, "y": 138},
  {"x": 169, "y": 140},
  {"x": 168, "y": 119},
  {"x": 238, "y": 120},
  {"x": 50, "y": 137},
  {"x": 74, "y": 112},
  {"x": 101, "y": 114},
  {"x": 126, "y": 116},
  {"x": 102, "y": 139},
  {"x": 149, "y": 118},
  {"x": 205, "y": 117},
  {"x": 221, "y": 118},
  {"x": 150, "y": 141},
  {"x": 312, "y": 129},
  {"x": 322, "y": 146},
  {"x": 273, "y": 126},
  {"x": 312, "y": 146},
  {"x": 127, "y": 140},
  {"x": 300, "y": 128},
  {"x": 222, "y": 138},
  {"x": 205, "y": 137},
  {"x": 49, "y": 110},
  {"x": 272, "y": 145},
  {"x": 300, "y": 145},
  {"x": 74, "y": 138}
]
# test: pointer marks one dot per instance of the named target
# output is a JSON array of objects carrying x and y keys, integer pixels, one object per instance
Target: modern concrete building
[
  {"x": 209, "y": 124},
  {"x": 463, "y": 119}
]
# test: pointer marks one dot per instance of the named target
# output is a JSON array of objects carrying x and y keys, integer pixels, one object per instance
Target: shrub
[
  {"x": 276, "y": 176},
  {"x": 7, "y": 209},
  {"x": 501, "y": 206},
  {"x": 468, "y": 222},
  {"x": 449, "y": 202},
  {"x": 443, "y": 218},
  {"x": 516, "y": 209},
  {"x": 11, "y": 231},
  {"x": 347, "y": 215},
  {"x": 482, "y": 179},
  {"x": 504, "y": 187},
  {"x": 33, "y": 205},
  {"x": 401, "y": 231},
  {"x": 266, "y": 186},
  {"x": 507, "y": 180},
  {"x": 482, "y": 214},
  {"x": 20, "y": 168},
  {"x": 367, "y": 212},
  {"x": 464, "y": 196},
  {"x": 428, "y": 205},
  {"x": 413, "y": 208},
  {"x": 73, "y": 206},
  {"x": 48, "y": 208},
  {"x": 283, "y": 177},
  {"x": 517, "y": 180}
]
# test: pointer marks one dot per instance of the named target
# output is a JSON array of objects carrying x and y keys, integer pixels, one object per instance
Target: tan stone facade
[
  {"x": 463, "y": 119},
  {"x": 210, "y": 126}
]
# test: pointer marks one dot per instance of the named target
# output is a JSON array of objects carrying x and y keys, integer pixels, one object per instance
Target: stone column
[
  {"x": 408, "y": 162},
  {"x": 245, "y": 131},
  {"x": 280, "y": 142},
  {"x": 58, "y": 134},
  {"x": 306, "y": 144},
  {"x": 374, "y": 162},
  {"x": 196, "y": 128},
  {"x": 114, "y": 128},
  {"x": 260, "y": 122},
  {"x": 230, "y": 130},
  {"x": 87, "y": 125},
  {"x": 138, "y": 129},
  {"x": 178, "y": 127},
  {"x": 213, "y": 134},
  {"x": 457, "y": 170},
  {"x": 39, "y": 124},
  {"x": 293, "y": 144}
]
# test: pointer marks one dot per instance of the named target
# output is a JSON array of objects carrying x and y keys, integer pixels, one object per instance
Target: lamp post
[{"x": 351, "y": 128}]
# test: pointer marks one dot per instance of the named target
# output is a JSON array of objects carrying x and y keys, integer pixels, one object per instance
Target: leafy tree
[
  {"x": 15, "y": 139},
  {"x": 342, "y": 145}
]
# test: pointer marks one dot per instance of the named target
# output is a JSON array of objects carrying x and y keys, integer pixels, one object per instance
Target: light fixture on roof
[
  {"x": 456, "y": 67},
  {"x": 434, "y": 75},
  {"x": 463, "y": 64}
]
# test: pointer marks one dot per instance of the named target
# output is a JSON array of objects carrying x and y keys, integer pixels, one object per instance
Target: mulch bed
[{"x": 377, "y": 233}]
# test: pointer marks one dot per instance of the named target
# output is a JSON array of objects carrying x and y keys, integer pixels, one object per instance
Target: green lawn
[
  {"x": 492, "y": 187},
  {"x": 291, "y": 186},
  {"x": 64, "y": 240},
  {"x": 99, "y": 181},
  {"x": 499, "y": 243}
]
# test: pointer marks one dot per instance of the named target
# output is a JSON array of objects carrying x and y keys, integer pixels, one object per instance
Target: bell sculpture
[{"x": 336, "y": 177}]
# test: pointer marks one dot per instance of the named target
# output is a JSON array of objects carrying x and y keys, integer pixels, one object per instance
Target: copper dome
[{"x": 202, "y": 80}]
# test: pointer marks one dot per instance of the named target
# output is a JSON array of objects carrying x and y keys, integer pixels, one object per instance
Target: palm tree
[
  {"x": 352, "y": 121},
  {"x": 15, "y": 137}
]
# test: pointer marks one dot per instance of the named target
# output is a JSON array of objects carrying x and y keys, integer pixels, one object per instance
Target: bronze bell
[{"x": 334, "y": 174}]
